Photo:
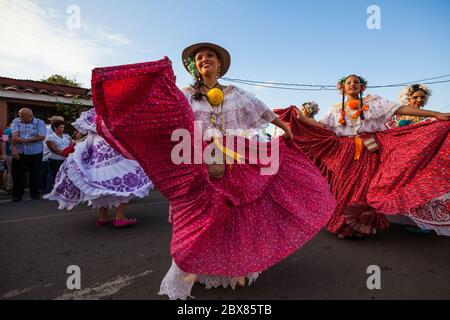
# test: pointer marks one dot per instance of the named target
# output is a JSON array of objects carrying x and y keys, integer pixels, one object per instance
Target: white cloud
[
  {"x": 101, "y": 34},
  {"x": 35, "y": 42}
]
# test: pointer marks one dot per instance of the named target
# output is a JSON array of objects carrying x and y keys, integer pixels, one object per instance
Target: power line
[
  {"x": 270, "y": 84},
  {"x": 443, "y": 108},
  {"x": 319, "y": 87},
  {"x": 276, "y": 86},
  {"x": 409, "y": 83}
]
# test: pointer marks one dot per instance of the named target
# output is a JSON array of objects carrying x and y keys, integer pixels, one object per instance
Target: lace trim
[
  {"x": 216, "y": 282},
  {"x": 226, "y": 89},
  {"x": 241, "y": 110},
  {"x": 177, "y": 284}
]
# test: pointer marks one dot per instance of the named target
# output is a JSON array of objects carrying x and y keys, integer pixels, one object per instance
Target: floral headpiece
[
  {"x": 192, "y": 68},
  {"x": 340, "y": 84},
  {"x": 408, "y": 91},
  {"x": 311, "y": 107}
]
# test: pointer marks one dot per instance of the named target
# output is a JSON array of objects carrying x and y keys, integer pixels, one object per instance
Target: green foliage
[
  {"x": 59, "y": 79},
  {"x": 70, "y": 112}
]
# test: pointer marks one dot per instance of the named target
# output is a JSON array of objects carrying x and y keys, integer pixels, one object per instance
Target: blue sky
[{"x": 282, "y": 41}]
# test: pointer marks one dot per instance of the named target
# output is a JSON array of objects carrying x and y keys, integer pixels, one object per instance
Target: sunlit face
[
  {"x": 417, "y": 100},
  {"x": 353, "y": 86},
  {"x": 207, "y": 62}
]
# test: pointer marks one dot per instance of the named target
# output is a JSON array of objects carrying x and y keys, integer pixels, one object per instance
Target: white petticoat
[
  {"x": 97, "y": 174},
  {"x": 435, "y": 215},
  {"x": 177, "y": 284}
]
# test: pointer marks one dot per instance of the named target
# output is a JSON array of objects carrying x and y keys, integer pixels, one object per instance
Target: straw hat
[{"x": 223, "y": 54}]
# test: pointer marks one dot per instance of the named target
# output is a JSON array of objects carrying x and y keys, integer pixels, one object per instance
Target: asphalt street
[{"x": 39, "y": 243}]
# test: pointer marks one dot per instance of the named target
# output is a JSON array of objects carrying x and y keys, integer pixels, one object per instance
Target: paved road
[{"x": 38, "y": 243}]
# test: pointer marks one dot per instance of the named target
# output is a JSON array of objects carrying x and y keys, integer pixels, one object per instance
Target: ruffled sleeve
[
  {"x": 243, "y": 110},
  {"x": 331, "y": 118},
  {"x": 260, "y": 107},
  {"x": 380, "y": 109}
]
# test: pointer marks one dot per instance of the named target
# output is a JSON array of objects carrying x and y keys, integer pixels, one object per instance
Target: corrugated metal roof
[{"x": 44, "y": 88}]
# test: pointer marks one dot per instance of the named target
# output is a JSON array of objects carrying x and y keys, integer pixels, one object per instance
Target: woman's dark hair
[
  {"x": 198, "y": 84},
  {"x": 416, "y": 87},
  {"x": 56, "y": 124}
]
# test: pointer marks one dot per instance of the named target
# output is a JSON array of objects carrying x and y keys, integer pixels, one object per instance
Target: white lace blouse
[
  {"x": 241, "y": 111},
  {"x": 379, "y": 112}
]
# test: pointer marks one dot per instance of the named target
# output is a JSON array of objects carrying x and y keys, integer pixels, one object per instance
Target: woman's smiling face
[
  {"x": 353, "y": 86},
  {"x": 207, "y": 62},
  {"x": 417, "y": 99}
]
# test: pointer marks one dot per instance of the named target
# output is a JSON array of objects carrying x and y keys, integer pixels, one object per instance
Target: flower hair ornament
[
  {"x": 310, "y": 109},
  {"x": 408, "y": 91},
  {"x": 192, "y": 68}
]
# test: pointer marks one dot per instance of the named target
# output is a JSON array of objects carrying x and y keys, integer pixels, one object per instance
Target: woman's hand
[
  {"x": 287, "y": 131},
  {"x": 288, "y": 134},
  {"x": 442, "y": 116},
  {"x": 300, "y": 114},
  {"x": 410, "y": 111},
  {"x": 310, "y": 121}
]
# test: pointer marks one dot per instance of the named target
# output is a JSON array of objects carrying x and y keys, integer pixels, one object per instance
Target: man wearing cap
[
  {"x": 28, "y": 135},
  {"x": 45, "y": 178}
]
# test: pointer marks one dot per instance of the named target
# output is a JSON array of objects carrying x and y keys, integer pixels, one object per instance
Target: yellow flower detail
[{"x": 215, "y": 96}]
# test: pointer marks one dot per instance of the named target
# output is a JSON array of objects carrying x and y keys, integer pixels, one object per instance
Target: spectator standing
[
  {"x": 56, "y": 143},
  {"x": 28, "y": 135},
  {"x": 7, "y": 156},
  {"x": 45, "y": 179}
]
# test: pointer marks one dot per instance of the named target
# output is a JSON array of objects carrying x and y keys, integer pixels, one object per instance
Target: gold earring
[{"x": 218, "y": 72}]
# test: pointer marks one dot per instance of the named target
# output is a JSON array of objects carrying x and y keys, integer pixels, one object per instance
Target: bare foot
[{"x": 241, "y": 282}]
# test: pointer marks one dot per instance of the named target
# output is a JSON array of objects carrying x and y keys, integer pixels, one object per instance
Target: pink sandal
[
  {"x": 104, "y": 222},
  {"x": 124, "y": 223}
]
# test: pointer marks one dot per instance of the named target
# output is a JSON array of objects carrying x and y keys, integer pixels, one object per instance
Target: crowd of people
[{"x": 32, "y": 153}]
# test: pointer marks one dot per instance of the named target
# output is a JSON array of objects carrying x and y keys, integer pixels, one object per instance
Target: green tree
[
  {"x": 70, "y": 112},
  {"x": 59, "y": 79}
]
